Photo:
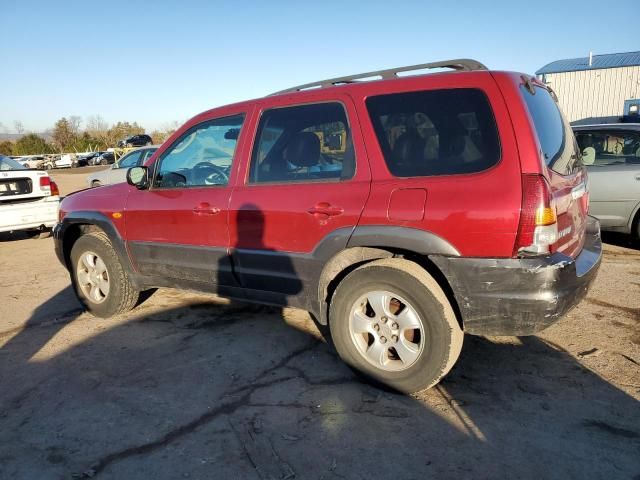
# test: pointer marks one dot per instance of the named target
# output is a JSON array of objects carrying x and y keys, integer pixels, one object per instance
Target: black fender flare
[
  {"x": 366, "y": 243},
  {"x": 100, "y": 221}
]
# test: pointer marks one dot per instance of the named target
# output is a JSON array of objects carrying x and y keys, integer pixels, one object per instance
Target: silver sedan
[
  {"x": 117, "y": 173},
  {"x": 611, "y": 153}
]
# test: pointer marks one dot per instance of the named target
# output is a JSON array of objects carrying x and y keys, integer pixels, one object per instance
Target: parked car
[
  {"x": 33, "y": 161},
  {"x": 84, "y": 159},
  {"x": 136, "y": 141},
  {"x": 611, "y": 153},
  {"x": 65, "y": 160},
  {"x": 118, "y": 171},
  {"x": 105, "y": 158},
  {"x": 434, "y": 215},
  {"x": 29, "y": 199}
]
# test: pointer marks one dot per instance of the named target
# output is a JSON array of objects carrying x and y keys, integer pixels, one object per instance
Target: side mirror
[{"x": 138, "y": 177}]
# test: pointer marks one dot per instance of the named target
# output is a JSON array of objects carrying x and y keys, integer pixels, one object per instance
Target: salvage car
[
  {"x": 452, "y": 203},
  {"x": 141, "y": 140},
  {"x": 33, "y": 161},
  {"x": 105, "y": 158},
  {"x": 29, "y": 199},
  {"x": 118, "y": 171},
  {"x": 611, "y": 153},
  {"x": 83, "y": 159}
]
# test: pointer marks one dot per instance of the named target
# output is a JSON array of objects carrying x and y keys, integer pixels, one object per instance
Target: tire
[
  {"x": 96, "y": 183},
  {"x": 120, "y": 296},
  {"x": 412, "y": 298},
  {"x": 104, "y": 162},
  {"x": 39, "y": 233}
]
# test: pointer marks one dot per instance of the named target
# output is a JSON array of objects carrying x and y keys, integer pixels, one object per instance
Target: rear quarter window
[
  {"x": 554, "y": 133},
  {"x": 435, "y": 132}
]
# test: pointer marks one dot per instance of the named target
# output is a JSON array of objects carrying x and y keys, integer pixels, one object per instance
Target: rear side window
[
  {"x": 554, "y": 134},
  {"x": 436, "y": 132},
  {"x": 609, "y": 147},
  {"x": 303, "y": 143}
]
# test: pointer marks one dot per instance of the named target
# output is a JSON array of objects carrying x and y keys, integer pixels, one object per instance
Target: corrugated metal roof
[{"x": 609, "y": 60}]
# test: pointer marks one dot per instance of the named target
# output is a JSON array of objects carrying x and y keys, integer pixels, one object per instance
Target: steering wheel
[{"x": 217, "y": 177}]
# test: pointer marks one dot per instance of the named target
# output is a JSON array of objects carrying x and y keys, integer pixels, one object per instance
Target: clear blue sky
[{"x": 161, "y": 61}]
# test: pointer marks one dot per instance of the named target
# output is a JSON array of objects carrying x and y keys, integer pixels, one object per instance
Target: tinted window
[
  {"x": 202, "y": 156},
  {"x": 554, "y": 134},
  {"x": 303, "y": 143},
  {"x": 438, "y": 132},
  {"x": 609, "y": 147}
]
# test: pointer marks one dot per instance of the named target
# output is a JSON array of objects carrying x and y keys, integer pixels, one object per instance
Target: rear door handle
[
  {"x": 325, "y": 208},
  {"x": 204, "y": 208}
]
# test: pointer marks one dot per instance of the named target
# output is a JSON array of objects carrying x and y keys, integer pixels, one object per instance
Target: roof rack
[{"x": 461, "y": 64}]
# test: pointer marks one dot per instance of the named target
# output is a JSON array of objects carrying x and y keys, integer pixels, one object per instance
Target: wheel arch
[
  {"x": 635, "y": 221},
  {"x": 368, "y": 244},
  {"x": 76, "y": 224}
]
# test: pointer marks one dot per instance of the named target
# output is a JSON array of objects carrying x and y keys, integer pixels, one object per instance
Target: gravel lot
[{"x": 193, "y": 386}]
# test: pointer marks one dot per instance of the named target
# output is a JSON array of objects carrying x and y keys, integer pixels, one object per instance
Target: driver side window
[{"x": 202, "y": 156}]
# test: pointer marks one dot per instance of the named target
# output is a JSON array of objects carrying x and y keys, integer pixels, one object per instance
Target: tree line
[{"x": 67, "y": 136}]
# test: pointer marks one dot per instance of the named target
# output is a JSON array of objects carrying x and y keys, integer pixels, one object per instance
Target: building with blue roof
[{"x": 594, "y": 88}]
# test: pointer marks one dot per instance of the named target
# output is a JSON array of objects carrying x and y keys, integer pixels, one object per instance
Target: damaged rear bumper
[{"x": 521, "y": 296}]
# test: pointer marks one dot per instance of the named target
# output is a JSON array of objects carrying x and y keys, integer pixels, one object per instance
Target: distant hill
[{"x": 15, "y": 136}]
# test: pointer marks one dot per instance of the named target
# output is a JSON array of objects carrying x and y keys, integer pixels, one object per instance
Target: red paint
[{"x": 477, "y": 213}]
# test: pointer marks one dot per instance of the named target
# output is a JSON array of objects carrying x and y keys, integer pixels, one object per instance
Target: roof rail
[{"x": 460, "y": 64}]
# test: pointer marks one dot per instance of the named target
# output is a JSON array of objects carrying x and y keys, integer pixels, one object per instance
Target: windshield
[{"x": 7, "y": 163}]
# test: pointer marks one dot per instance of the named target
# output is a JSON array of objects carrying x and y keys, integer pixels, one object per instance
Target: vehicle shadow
[
  {"x": 204, "y": 390},
  {"x": 191, "y": 387},
  {"x": 15, "y": 236},
  {"x": 621, "y": 240}
]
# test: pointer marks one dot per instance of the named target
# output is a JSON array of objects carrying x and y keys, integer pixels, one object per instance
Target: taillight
[
  {"x": 54, "y": 189},
  {"x": 538, "y": 229},
  {"x": 45, "y": 183}
]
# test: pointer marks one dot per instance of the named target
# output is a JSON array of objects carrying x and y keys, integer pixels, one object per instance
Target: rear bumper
[
  {"x": 24, "y": 216},
  {"x": 521, "y": 296}
]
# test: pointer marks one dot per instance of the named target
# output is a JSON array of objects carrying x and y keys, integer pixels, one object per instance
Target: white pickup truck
[{"x": 29, "y": 199}]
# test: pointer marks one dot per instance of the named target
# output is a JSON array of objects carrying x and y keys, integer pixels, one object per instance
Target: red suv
[{"x": 401, "y": 212}]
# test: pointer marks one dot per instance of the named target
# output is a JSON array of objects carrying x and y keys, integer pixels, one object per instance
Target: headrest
[
  {"x": 303, "y": 150},
  {"x": 409, "y": 148},
  {"x": 588, "y": 156}
]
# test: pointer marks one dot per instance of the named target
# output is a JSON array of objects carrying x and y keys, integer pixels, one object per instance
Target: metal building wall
[{"x": 595, "y": 93}]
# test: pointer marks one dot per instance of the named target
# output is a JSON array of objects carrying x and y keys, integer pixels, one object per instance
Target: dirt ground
[{"x": 193, "y": 386}]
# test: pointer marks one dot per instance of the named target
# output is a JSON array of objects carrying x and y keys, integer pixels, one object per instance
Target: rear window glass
[
  {"x": 436, "y": 132},
  {"x": 7, "y": 163},
  {"x": 555, "y": 136}
]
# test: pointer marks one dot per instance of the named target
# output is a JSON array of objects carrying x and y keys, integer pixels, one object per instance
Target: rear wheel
[
  {"x": 391, "y": 321},
  {"x": 100, "y": 281},
  {"x": 96, "y": 183}
]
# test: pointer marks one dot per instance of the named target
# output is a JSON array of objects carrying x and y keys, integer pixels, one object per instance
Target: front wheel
[
  {"x": 390, "y": 320},
  {"x": 100, "y": 281}
]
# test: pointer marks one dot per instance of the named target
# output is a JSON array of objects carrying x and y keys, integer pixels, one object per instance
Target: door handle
[
  {"x": 325, "y": 208},
  {"x": 204, "y": 208}
]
